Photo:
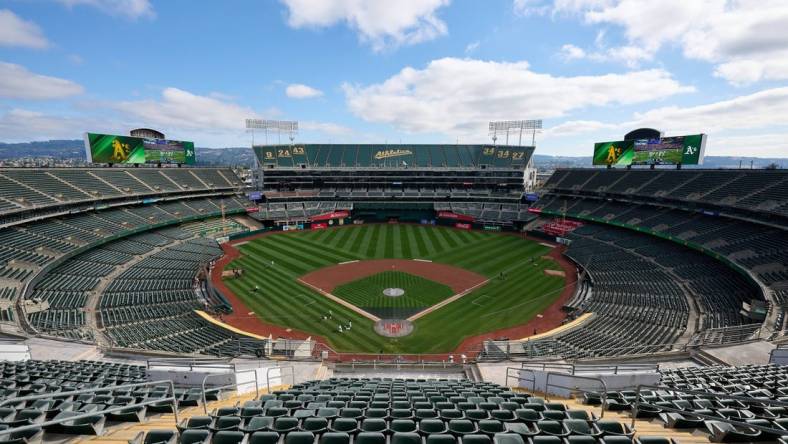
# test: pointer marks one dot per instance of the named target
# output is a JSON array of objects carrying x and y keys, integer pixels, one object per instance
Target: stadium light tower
[
  {"x": 504, "y": 126},
  {"x": 289, "y": 127}
]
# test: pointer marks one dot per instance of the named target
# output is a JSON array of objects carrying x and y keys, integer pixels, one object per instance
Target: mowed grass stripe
[
  {"x": 449, "y": 236},
  {"x": 287, "y": 258},
  {"x": 438, "y": 242},
  {"x": 367, "y": 231},
  {"x": 397, "y": 243},
  {"x": 336, "y": 251},
  {"x": 374, "y": 241},
  {"x": 407, "y": 244},
  {"x": 340, "y": 240},
  {"x": 328, "y": 255},
  {"x": 355, "y": 240},
  {"x": 421, "y": 245},
  {"x": 332, "y": 234},
  {"x": 388, "y": 241},
  {"x": 434, "y": 243}
]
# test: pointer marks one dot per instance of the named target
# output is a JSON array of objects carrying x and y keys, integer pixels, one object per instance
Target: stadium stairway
[
  {"x": 92, "y": 304},
  {"x": 128, "y": 431}
]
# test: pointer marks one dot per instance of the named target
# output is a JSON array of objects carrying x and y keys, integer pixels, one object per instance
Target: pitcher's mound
[
  {"x": 393, "y": 328},
  {"x": 393, "y": 292}
]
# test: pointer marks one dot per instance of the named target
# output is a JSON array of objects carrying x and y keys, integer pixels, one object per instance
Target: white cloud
[
  {"x": 748, "y": 125},
  {"x": 15, "y": 31},
  {"x": 746, "y": 40},
  {"x": 132, "y": 9},
  {"x": 329, "y": 128},
  {"x": 472, "y": 47},
  {"x": 184, "y": 110},
  {"x": 530, "y": 7},
  {"x": 631, "y": 56},
  {"x": 574, "y": 127},
  {"x": 16, "y": 82},
  {"x": 455, "y": 96},
  {"x": 762, "y": 109},
  {"x": 572, "y": 52},
  {"x": 209, "y": 120},
  {"x": 21, "y": 125},
  {"x": 757, "y": 145},
  {"x": 300, "y": 91},
  {"x": 380, "y": 23}
]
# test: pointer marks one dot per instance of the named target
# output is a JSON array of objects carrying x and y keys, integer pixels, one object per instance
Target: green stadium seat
[
  {"x": 299, "y": 437},
  {"x": 194, "y": 436},
  {"x": 405, "y": 438},
  {"x": 440, "y": 439},
  {"x": 334, "y": 438},
  {"x": 508, "y": 438},
  {"x": 370, "y": 438},
  {"x": 228, "y": 437},
  {"x": 347, "y": 425},
  {"x": 462, "y": 427},
  {"x": 475, "y": 439},
  {"x": 263, "y": 437}
]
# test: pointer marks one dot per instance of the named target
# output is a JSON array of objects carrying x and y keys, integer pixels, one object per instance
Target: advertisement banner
[
  {"x": 531, "y": 197},
  {"x": 319, "y": 226},
  {"x": 253, "y": 209},
  {"x": 455, "y": 216},
  {"x": 255, "y": 195},
  {"x": 109, "y": 148},
  {"x": 332, "y": 215},
  {"x": 462, "y": 226}
]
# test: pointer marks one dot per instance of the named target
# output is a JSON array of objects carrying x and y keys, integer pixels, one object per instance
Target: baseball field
[{"x": 503, "y": 276}]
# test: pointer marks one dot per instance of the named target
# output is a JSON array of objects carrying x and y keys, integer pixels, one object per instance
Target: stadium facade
[{"x": 408, "y": 182}]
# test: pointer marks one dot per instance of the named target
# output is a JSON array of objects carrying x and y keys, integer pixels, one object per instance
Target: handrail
[
  {"x": 191, "y": 363},
  {"x": 547, "y": 385},
  {"x": 94, "y": 413},
  {"x": 576, "y": 368},
  {"x": 519, "y": 377},
  {"x": 638, "y": 402},
  {"x": 268, "y": 377},
  {"x": 236, "y": 384}
]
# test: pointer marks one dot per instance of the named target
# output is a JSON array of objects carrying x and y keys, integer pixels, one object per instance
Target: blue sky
[{"x": 408, "y": 70}]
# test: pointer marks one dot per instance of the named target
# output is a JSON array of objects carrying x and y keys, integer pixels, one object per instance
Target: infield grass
[
  {"x": 367, "y": 293},
  {"x": 525, "y": 292}
]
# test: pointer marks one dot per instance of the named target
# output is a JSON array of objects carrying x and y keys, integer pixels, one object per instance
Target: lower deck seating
[{"x": 640, "y": 292}]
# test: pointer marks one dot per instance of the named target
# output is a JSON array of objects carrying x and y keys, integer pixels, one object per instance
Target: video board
[
  {"x": 108, "y": 148},
  {"x": 684, "y": 150}
]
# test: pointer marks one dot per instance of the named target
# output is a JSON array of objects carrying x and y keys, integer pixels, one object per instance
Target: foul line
[
  {"x": 341, "y": 301},
  {"x": 446, "y": 301},
  {"x": 348, "y": 262},
  {"x": 422, "y": 260}
]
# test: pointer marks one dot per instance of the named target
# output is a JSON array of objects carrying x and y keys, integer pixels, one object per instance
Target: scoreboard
[{"x": 676, "y": 150}]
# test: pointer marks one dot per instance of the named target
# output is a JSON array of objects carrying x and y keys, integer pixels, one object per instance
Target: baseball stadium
[
  {"x": 393, "y": 222},
  {"x": 393, "y": 293}
]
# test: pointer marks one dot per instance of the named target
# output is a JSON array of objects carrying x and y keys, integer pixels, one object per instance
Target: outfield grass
[
  {"x": 499, "y": 304},
  {"x": 367, "y": 293}
]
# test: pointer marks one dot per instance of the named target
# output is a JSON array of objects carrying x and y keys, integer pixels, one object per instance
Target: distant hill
[{"x": 242, "y": 156}]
